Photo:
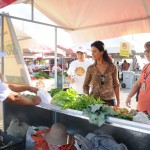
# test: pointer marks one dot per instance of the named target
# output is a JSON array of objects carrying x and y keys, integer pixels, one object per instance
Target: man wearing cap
[
  {"x": 77, "y": 70},
  {"x": 35, "y": 67}
]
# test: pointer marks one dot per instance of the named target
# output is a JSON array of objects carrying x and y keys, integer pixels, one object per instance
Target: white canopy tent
[
  {"x": 88, "y": 20},
  {"x": 98, "y": 19}
]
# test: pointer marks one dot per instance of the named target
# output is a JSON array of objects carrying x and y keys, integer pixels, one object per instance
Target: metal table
[{"x": 135, "y": 136}]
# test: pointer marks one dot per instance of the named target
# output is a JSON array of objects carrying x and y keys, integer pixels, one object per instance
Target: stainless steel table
[{"x": 135, "y": 135}]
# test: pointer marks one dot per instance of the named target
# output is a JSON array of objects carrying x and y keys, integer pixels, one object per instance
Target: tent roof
[{"x": 98, "y": 19}]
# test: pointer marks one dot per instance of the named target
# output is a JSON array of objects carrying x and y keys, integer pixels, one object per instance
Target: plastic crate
[{"x": 19, "y": 143}]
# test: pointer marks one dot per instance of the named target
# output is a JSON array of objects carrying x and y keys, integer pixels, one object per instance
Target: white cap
[{"x": 80, "y": 49}]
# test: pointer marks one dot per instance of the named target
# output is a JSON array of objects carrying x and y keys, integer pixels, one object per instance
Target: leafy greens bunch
[
  {"x": 71, "y": 99},
  {"x": 42, "y": 74},
  {"x": 97, "y": 113}
]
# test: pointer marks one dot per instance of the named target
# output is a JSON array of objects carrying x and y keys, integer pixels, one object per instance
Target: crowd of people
[{"x": 99, "y": 79}]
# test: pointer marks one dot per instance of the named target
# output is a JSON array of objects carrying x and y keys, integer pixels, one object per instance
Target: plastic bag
[
  {"x": 103, "y": 142},
  {"x": 141, "y": 117},
  {"x": 82, "y": 143},
  {"x": 17, "y": 129},
  {"x": 40, "y": 142},
  {"x": 44, "y": 95},
  {"x": 32, "y": 130}
]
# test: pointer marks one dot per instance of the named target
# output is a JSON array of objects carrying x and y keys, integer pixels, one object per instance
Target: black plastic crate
[{"x": 19, "y": 143}]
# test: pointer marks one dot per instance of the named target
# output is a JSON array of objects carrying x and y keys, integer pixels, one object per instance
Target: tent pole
[
  {"x": 32, "y": 10},
  {"x": 2, "y": 61},
  {"x": 2, "y": 46},
  {"x": 55, "y": 62}
]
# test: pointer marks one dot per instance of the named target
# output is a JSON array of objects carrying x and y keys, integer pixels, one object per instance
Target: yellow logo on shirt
[
  {"x": 40, "y": 84},
  {"x": 79, "y": 71}
]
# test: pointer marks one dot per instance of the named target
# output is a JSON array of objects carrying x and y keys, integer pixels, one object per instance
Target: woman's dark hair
[{"x": 100, "y": 46}]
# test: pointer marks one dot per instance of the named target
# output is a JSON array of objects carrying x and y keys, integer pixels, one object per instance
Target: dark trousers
[{"x": 110, "y": 102}]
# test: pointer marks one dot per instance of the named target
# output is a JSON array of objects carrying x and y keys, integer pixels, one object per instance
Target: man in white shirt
[
  {"x": 77, "y": 70},
  {"x": 9, "y": 92},
  {"x": 35, "y": 67}
]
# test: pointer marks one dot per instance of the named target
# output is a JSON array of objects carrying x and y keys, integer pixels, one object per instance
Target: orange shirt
[{"x": 144, "y": 95}]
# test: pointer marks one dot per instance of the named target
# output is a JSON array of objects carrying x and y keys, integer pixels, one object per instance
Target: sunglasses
[
  {"x": 102, "y": 80},
  {"x": 147, "y": 51}
]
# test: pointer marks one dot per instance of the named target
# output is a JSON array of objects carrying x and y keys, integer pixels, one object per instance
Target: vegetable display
[
  {"x": 97, "y": 113},
  {"x": 94, "y": 109},
  {"x": 71, "y": 99},
  {"x": 42, "y": 74},
  {"x": 54, "y": 91},
  {"x": 124, "y": 113}
]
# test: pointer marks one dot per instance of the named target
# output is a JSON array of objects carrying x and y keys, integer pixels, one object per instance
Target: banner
[
  {"x": 125, "y": 49},
  {"x": 15, "y": 69}
]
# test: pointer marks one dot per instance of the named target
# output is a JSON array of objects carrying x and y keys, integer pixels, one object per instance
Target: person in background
[
  {"x": 102, "y": 76},
  {"x": 125, "y": 66},
  {"x": 27, "y": 61},
  {"x": 143, "y": 84},
  {"x": 35, "y": 67},
  {"x": 58, "y": 69},
  {"x": 77, "y": 70},
  {"x": 137, "y": 67},
  {"x": 9, "y": 92}
]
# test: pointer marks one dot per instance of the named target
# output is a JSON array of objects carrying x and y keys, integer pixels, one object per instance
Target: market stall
[{"x": 134, "y": 135}]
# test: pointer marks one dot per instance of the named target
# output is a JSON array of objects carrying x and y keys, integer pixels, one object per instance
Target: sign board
[
  {"x": 15, "y": 69},
  {"x": 124, "y": 49}
]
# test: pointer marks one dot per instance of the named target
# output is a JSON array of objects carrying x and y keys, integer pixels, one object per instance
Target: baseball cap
[{"x": 80, "y": 49}]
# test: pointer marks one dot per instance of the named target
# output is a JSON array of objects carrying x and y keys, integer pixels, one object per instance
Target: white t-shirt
[
  {"x": 4, "y": 91},
  {"x": 78, "y": 70},
  {"x": 34, "y": 66},
  {"x": 58, "y": 69},
  {"x": 30, "y": 69}
]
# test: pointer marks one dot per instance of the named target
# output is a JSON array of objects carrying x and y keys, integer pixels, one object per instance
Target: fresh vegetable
[
  {"x": 65, "y": 74},
  {"x": 84, "y": 101},
  {"x": 54, "y": 91},
  {"x": 29, "y": 96},
  {"x": 71, "y": 99},
  {"x": 42, "y": 74},
  {"x": 65, "y": 99},
  {"x": 124, "y": 113},
  {"x": 97, "y": 113}
]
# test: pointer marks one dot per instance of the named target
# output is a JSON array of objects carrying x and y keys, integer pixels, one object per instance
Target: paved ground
[{"x": 123, "y": 96}]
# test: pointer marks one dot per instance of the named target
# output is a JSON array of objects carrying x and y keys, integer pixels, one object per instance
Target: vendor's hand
[
  {"x": 33, "y": 89},
  {"x": 128, "y": 102}
]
